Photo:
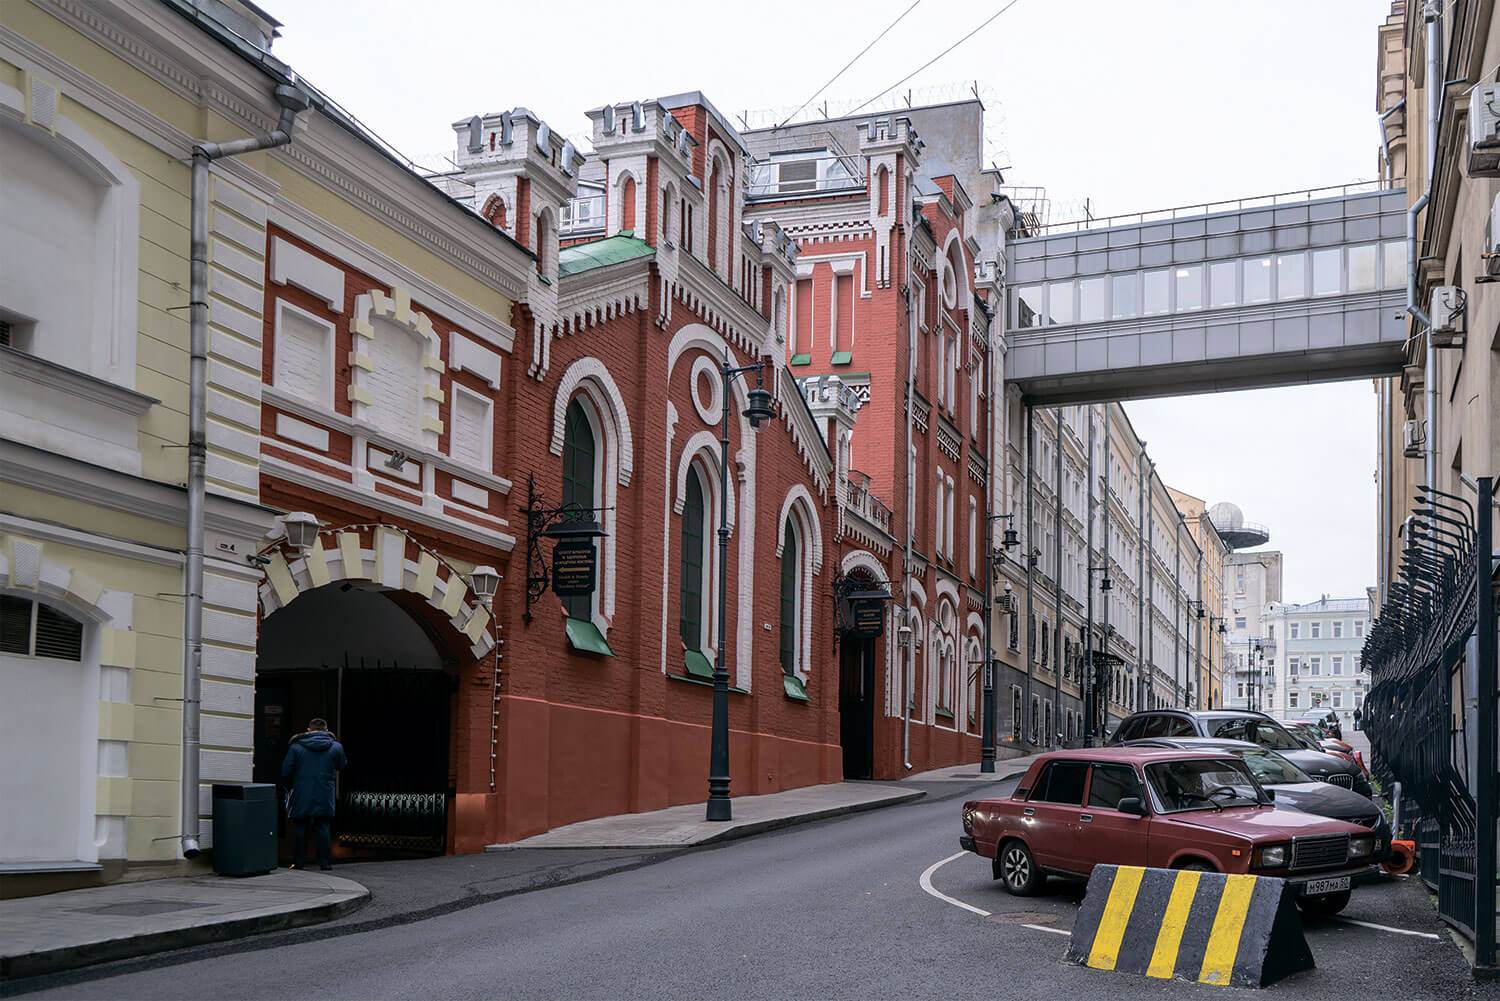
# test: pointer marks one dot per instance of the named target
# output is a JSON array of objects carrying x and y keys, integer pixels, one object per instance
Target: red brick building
[
  {"x": 425, "y": 434},
  {"x": 884, "y": 296}
]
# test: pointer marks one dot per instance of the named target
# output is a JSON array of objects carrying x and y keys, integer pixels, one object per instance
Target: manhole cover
[
  {"x": 141, "y": 908},
  {"x": 1024, "y": 918}
]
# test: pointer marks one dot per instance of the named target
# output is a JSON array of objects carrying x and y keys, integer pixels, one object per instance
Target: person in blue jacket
[{"x": 309, "y": 772}]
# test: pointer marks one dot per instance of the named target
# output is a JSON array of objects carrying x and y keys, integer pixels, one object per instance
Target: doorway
[
  {"x": 857, "y": 705},
  {"x": 384, "y": 680}
]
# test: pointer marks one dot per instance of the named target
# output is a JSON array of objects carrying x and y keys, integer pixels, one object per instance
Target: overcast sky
[{"x": 1132, "y": 106}]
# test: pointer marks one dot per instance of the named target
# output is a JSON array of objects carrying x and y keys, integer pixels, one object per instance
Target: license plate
[{"x": 1314, "y": 887}]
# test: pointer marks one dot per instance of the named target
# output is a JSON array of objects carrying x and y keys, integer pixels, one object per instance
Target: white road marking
[
  {"x": 926, "y": 883},
  {"x": 1055, "y": 931},
  {"x": 1394, "y": 931}
]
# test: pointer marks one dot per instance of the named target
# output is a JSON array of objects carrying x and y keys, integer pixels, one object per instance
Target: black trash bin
[{"x": 244, "y": 829}]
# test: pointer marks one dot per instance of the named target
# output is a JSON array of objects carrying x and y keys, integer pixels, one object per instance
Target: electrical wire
[
  {"x": 851, "y": 62},
  {"x": 984, "y": 24}
]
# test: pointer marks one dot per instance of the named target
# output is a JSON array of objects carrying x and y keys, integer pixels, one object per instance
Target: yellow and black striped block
[{"x": 1241, "y": 931}]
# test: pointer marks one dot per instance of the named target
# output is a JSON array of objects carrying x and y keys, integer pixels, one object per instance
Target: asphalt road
[{"x": 830, "y": 910}]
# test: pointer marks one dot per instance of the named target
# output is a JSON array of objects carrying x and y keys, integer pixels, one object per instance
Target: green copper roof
[{"x": 601, "y": 253}]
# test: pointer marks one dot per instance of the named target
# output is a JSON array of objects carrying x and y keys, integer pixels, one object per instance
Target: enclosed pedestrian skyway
[{"x": 1272, "y": 291}]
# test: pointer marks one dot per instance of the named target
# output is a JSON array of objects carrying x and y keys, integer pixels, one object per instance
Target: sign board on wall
[{"x": 573, "y": 567}]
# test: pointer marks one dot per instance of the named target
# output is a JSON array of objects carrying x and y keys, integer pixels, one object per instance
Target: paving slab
[
  {"x": 684, "y": 826},
  {"x": 60, "y": 931}
]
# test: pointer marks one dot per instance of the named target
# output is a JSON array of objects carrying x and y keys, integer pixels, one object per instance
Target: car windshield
[
  {"x": 1257, "y": 731},
  {"x": 1202, "y": 784},
  {"x": 1270, "y": 768}
]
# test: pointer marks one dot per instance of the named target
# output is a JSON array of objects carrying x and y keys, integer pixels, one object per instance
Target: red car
[{"x": 1168, "y": 809}]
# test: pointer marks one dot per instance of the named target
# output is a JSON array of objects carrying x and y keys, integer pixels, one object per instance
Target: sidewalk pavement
[
  {"x": 59, "y": 931},
  {"x": 63, "y": 931}
]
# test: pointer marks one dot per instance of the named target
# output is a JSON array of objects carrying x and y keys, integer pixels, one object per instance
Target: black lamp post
[
  {"x": 758, "y": 411},
  {"x": 1009, "y": 540},
  {"x": 1090, "y": 689}
]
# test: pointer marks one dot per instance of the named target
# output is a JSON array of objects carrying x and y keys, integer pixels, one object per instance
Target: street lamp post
[
  {"x": 1091, "y": 690},
  {"x": 757, "y": 410},
  {"x": 987, "y": 700}
]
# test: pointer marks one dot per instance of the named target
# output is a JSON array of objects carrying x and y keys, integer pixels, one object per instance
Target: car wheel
[
  {"x": 1017, "y": 870},
  {"x": 1325, "y": 906},
  {"x": 1199, "y": 867}
]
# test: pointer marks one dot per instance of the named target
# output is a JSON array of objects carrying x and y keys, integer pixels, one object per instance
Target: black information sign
[
  {"x": 869, "y": 618},
  {"x": 573, "y": 562}
]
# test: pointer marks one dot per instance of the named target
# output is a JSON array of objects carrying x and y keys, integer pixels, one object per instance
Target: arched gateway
[{"x": 370, "y": 630}]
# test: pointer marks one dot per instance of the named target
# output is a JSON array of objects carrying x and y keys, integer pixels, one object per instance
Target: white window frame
[{"x": 488, "y": 436}]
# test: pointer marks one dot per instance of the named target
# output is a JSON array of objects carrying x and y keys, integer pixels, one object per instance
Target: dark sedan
[
  {"x": 1295, "y": 789},
  {"x": 1243, "y": 724}
]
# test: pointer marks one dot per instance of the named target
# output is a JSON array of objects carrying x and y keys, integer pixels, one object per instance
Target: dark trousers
[{"x": 318, "y": 828}]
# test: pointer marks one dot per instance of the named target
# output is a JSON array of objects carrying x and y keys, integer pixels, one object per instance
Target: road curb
[
  {"x": 734, "y": 833},
  {"x": 338, "y": 902}
]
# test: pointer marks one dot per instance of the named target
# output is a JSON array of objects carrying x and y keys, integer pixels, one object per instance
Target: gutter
[{"x": 293, "y": 99}]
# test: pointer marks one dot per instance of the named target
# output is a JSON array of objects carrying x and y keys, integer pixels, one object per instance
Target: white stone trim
[
  {"x": 592, "y": 376},
  {"x": 710, "y": 410},
  {"x": 799, "y": 493},
  {"x": 114, "y": 331},
  {"x": 862, "y": 559},
  {"x": 331, "y": 334},
  {"x": 291, "y": 265}
]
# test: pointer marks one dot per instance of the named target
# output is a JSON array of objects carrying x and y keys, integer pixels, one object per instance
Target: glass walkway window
[{"x": 1223, "y": 284}]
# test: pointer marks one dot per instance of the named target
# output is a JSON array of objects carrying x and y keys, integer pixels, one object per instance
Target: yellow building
[
  {"x": 101, "y": 106},
  {"x": 1207, "y": 623}
]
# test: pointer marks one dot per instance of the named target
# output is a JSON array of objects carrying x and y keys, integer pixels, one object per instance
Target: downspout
[
  {"x": 988, "y": 724},
  {"x": 1176, "y": 612},
  {"x": 908, "y": 669},
  {"x": 1198, "y": 627},
  {"x": 1057, "y": 622},
  {"x": 1140, "y": 596},
  {"x": 1385, "y": 145},
  {"x": 1434, "y": 88},
  {"x": 292, "y": 100},
  {"x": 1109, "y": 687},
  {"x": 1151, "y": 579},
  {"x": 1032, "y": 552},
  {"x": 1086, "y": 682}
]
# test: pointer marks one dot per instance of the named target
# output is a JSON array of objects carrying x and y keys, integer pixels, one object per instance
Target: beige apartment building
[
  {"x": 1207, "y": 620},
  {"x": 1439, "y": 419}
]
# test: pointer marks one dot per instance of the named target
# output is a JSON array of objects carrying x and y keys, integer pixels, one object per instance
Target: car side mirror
[
  {"x": 1132, "y": 805},
  {"x": 1270, "y": 794}
]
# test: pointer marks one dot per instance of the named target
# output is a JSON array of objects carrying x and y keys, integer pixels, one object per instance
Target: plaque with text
[
  {"x": 573, "y": 563},
  {"x": 869, "y": 619}
]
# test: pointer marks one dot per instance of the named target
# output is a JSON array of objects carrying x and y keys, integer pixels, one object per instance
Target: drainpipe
[
  {"x": 1033, "y": 552},
  {"x": 1086, "y": 682},
  {"x": 1385, "y": 145},
  {"x": 1057, "y": 621},
  {"x": 908, "y": 669},
  {"x": 1140, "y": 580},
  {"x": 292, "y": 100},
  {"x": 1434, "y": 86}
]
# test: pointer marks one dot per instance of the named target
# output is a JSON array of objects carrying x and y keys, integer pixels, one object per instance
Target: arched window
[
  {"x": 668, "y": 207},
  {"x": 883, "y": 189},
  {"x": 580, "y": 464},
  {"x": 690, "y": 615},
  {"x": 789, "y": 590},
  {"x": 545, "y": 254},
  {"x": 627, "y": 204},
  {"x": 715, "y": 178}
]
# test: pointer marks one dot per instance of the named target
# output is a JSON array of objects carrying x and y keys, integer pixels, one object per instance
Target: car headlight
[
  {"x": 1269, "y": 857},
  {"x": 1361, "y": 847}
]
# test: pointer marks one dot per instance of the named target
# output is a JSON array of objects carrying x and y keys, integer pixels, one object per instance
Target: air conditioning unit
[
  {"x": 1448, "y": 311},
  {"x": 1484, "y": 131},
  {"x": 1005, "y": 603},
  {"x": 1491, "y": 256},
  {"x": 1412, "y": 439}
]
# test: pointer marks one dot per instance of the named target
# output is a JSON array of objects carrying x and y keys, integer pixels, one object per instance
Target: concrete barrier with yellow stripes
[{"x": 1242, "y": 931}]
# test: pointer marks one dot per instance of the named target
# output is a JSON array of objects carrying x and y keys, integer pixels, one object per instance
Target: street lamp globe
[
  {"x": 483, "y": 581},
  {"x": 759, "y": 409}
]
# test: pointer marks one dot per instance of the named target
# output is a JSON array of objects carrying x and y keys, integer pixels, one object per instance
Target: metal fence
[{"x": 1431, "y": 712}]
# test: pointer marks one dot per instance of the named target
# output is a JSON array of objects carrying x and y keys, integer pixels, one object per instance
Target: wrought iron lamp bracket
[{"x": 538, "y": 519}]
